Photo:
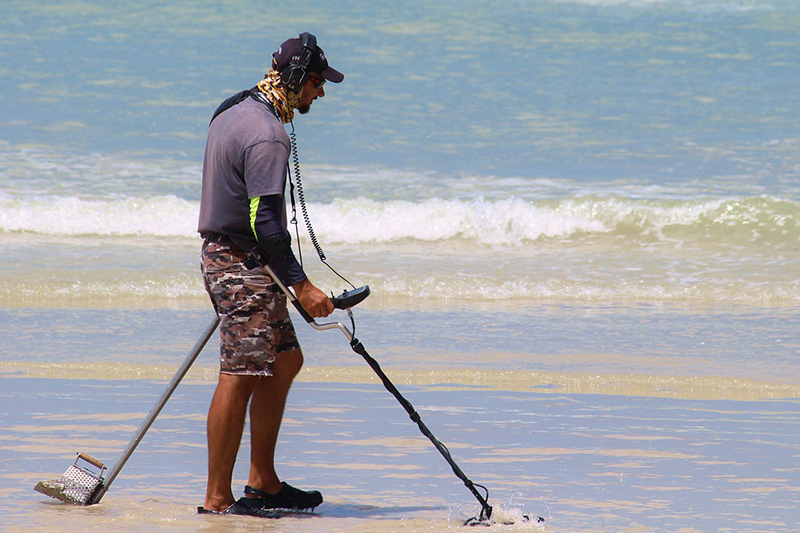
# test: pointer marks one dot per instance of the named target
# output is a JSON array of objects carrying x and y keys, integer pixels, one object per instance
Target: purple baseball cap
[{"x": 293, "y": 48}]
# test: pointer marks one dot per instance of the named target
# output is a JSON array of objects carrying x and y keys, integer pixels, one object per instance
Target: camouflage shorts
[{"x": 254, "y": 323}]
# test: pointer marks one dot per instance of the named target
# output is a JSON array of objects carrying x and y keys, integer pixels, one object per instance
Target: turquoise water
[
  {"x": 666, "y": 89},
  {"x": 584, "y": 462},
  {"x": 579, "y": 219},
  {"x": 596, "y": 151}
]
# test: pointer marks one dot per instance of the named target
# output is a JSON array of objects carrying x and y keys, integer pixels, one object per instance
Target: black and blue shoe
[
  {"x": 288, "y": 497},
  {"x": 243, "y": 507}
]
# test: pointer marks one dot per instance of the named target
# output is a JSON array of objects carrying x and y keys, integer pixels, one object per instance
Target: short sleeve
[{"x": 264, "y": 166}]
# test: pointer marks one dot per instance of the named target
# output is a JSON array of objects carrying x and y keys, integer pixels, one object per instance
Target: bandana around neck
[{"x": 282, "y": 99}]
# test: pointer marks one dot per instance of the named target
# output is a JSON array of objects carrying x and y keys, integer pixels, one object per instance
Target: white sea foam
[
  {"x": 431, "y": 284},
  {"x": 507, "y": 222},
  {"x": 514, "y": 221},
  {"x": 162, "y": 216},
  {"x": 735, "y": 250}
]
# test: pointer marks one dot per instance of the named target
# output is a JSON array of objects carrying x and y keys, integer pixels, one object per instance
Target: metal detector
[
  {"x": 84, "y": 483},
  {"x": 346, "y": 301}
]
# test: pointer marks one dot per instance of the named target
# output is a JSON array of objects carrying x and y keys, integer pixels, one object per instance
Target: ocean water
[{"x": 580, "y": 221}]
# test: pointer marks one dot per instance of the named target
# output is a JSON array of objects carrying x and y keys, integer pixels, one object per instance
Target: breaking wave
[{"x": 761, "y": 220}]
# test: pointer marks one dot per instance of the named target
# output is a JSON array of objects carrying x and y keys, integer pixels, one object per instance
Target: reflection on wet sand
[
  {"x": 584, "y": 461},
  {"x": 659, "y": 386}
]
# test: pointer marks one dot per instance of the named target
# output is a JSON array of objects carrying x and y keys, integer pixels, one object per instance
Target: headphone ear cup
[
  {"x": 286, "y": 77},
  {"x": 292, "y": 76},
  {"x": 295, "y": 72}
]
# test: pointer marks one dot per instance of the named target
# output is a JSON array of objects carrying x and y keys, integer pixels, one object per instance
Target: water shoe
[
  {"x": 244, "y": 507},
  {"x": 286, "y": 498}
]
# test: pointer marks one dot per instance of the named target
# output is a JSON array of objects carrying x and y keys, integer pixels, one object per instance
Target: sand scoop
[{"x": 84, "y": 483}]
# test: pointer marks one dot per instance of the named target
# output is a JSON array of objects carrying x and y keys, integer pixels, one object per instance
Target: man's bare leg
[
  {"x": 226, "y": 417},
  {"x": 266, "y": 414}
]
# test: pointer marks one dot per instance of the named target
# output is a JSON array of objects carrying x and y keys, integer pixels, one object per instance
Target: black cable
[
  {"x": 301, "y": 196},
  {"x": 304, "y": 209}
]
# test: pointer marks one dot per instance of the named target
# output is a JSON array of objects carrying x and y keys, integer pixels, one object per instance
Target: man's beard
[{"x": 304, "y": 109}]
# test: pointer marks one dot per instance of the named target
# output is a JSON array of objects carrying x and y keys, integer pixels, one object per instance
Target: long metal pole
[{"x": 151, "y": 417}]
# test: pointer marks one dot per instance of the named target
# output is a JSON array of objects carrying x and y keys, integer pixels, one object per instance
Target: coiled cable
[{"x": 297, "y": 182}]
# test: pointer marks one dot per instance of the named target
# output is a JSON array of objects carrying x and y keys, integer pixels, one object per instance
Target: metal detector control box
[{"x": 350, "y": 298}]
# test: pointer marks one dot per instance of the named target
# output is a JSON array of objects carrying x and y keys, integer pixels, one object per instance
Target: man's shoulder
[{"x": 251, "y": 123}]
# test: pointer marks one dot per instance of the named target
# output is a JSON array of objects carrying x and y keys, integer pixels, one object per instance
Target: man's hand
[{"x": 313, "y": 300}]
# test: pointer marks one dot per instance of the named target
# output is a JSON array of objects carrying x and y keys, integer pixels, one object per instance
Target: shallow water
[
  {"x": 595, "y": 418},
  {"x": 724, "y": 342},
  {"x": 567, "y": 422},
  {"x": 583, "y": 461}
]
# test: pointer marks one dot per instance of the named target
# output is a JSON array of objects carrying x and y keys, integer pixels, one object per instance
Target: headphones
[{"x": 295, "y": 72}]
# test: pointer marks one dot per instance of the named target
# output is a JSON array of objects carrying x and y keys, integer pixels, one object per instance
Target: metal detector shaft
[
  {"x": 137, "y": 437},
  {"x": 486, "y": 509},
  {"x": 355, "y": 344}
]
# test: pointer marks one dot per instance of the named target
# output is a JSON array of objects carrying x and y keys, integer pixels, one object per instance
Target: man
[{"x": 242, "y": 209}]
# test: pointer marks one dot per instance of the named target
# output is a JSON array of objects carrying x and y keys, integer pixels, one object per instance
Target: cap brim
[{"x": 332, "y": 75}]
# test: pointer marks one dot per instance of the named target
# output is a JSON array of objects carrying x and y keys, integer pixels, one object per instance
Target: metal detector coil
[{"x": 78, "y": 484}]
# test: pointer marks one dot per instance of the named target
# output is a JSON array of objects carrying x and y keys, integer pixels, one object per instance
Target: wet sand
[
  {"x": 586, "y": 462},
  {"x": 596, "y": 419}
]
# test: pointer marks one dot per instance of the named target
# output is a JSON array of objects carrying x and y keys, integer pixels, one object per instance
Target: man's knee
[{"x": 237, "y": 385}]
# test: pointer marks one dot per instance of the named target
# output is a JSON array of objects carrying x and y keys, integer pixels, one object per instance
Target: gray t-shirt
[{"x": 246, "y": 156}]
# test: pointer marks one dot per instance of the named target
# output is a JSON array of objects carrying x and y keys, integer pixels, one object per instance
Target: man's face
[{"x": 311, "y": 91}]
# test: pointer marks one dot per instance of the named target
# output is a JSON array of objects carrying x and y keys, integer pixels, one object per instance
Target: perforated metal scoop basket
[{"x": 78, "y": 484}]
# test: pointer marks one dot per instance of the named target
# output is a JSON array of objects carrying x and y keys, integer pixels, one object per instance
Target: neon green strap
[{"x": 254, "y": 203}]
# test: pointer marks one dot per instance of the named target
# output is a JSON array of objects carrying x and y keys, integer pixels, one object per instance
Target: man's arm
[{"x": 275, "y": 242}]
